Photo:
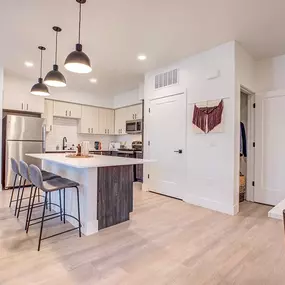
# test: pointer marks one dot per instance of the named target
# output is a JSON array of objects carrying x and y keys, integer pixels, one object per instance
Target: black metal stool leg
[
  {"x": 31, "y": 210},
  {"x": 29, "y": 205},
  {"x": 64, "y": 205},
  {"x": 42, "y": 224},
  {"x": 49, "y": 198},
  {"x": 21, "y": 199},
  {"x": 78, "y": 207},
  {"x": 19, "y": 188},
  {"x": 39, "y": 198},
  {"x": 60, "y": 205},
  {"x": 12, "y": 194}
]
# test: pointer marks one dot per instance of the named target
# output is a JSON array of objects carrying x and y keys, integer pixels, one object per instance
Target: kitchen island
[{"x": 106, "y": 187}]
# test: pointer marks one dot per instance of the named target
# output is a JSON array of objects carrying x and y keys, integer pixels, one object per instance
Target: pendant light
[
  {"x": 55, "y": 78},
  {"x": 40, "y": 88},
  {"x": 78, "y": 61}
]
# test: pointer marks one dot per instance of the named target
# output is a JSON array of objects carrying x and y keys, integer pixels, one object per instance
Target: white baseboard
[
  {"x": 145, "y": 187},
  {"x": 212, "y": 205}
]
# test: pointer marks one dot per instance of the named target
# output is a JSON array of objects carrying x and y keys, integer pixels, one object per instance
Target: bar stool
[
  {"x": 49, "y": 186},
  {"x": 15, "y": 168},
  {"x": 24, "y": 172}
]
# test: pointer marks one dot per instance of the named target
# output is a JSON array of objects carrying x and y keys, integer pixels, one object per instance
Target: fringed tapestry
[{"x": 208, "y": 117}]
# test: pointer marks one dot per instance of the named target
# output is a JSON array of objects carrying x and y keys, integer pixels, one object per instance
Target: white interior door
[
  {"x": 270, "y": 148},
  {"x": 167, "y": 135}
]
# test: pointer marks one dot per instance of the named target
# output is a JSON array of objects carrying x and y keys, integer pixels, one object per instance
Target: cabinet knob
[
  {"x": 66, "y": 113},
  {"x": 27, "y": 107},
  {"x": 69, "y": 113},
  {"x": 22, "y": 106}
]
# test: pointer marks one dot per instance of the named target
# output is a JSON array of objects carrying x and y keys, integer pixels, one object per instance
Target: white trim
[{"x": 211, "y": 204}]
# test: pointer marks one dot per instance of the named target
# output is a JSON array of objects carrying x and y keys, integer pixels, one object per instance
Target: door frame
[{"x": 251, "y": 138}]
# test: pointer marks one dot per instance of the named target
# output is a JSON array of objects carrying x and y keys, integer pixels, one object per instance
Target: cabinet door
[
  {"x": 120, "y": 121},
  {"x": 138, "y": 111},
  {"x": 84, "y": 123},
  {"x": 48, "y": 115},
  {"x": 102, "y": 120},
  {"x": 130, "y": 113},
  {"x": 89, "y": 120},
  {"x": 34, "y": 103},
  {"x": 61, "y": 109},
  {"x": 119, "y": 113},
  {"x": 110, "y": 121},
  {"x": 74, "y": 111},
  {"x": 94, "y": 124}
]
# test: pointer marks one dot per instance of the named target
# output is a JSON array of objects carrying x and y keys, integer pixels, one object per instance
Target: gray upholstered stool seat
[{"x": 57, "y": 184}]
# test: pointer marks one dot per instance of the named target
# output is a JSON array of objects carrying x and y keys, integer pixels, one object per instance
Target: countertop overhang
[{"x": 91, "y": 162}]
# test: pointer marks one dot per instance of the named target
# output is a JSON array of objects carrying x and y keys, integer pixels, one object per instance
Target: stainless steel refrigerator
[{"x": 21, "y": 135}]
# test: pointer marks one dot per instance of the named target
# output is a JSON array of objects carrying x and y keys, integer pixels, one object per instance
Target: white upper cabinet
[
  {"x": 134, "y": 112},
  {"x": 120, "y": 121},
  {"x": 106, "y": 121},
  {"x": 126, "y": 114},
  {"x": 89, "y": 120},
  {"x": 48, "y": 115},
  {"x": 68, "y": 110},
  {"x": 22, "y": 101}
]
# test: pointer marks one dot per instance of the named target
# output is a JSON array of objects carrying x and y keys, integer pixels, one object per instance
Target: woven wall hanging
[{"x": 207, "y": 116}]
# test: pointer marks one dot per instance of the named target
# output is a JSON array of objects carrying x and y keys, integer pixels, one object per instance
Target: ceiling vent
[{"x": 166, "y": 79}]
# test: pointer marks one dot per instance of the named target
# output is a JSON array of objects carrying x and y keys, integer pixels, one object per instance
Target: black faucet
[{"x": 64, "y": 143}]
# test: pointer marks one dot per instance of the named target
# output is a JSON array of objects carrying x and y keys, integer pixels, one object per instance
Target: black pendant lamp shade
[
  {"x": 40, "y": 88},
  {"x": 78, "y": 61},
  {"x": 55, "y": 78}
]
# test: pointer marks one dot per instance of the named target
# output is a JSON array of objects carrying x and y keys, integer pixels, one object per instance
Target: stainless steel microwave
[{"x": 134, "y": 127}]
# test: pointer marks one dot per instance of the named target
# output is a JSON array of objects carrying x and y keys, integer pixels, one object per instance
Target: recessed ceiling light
[
  {"x": 141, "y": 57},
  {"x": 29, "y": 64},
  {"x": 93, "y": 80}
]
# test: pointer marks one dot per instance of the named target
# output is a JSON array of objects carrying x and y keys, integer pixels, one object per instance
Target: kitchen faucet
[{"x": 64, "y": 143}]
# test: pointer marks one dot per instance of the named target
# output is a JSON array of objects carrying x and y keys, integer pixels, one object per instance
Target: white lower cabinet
[{"x": 89, "y": 120}]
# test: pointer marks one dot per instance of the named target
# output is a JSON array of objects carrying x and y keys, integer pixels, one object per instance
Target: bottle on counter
[{"x": 97, "y": 145}]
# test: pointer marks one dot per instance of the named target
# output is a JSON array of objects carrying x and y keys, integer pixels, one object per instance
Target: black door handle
[{"x": 178, "y": 151}]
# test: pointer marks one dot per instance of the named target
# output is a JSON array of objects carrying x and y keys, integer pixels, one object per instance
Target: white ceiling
[{"x": 115, "y": 31}]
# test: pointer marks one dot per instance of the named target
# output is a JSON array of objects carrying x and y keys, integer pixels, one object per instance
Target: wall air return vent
[{"x": 166, "y": 79}]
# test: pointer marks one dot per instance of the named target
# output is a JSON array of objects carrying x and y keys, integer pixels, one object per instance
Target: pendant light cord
[
  {"x": 56, "y": 35},
  {"x": 41, "y": 69},
  {"x": 79, "y": 34}
]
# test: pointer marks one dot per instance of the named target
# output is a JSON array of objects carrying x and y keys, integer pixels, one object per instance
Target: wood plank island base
[{"x": 106, "y": 187}]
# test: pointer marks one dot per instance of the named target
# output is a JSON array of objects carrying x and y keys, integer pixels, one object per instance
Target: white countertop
[
  {"x": 95, "y": 161},
  {"x": 71, "y": 150}
]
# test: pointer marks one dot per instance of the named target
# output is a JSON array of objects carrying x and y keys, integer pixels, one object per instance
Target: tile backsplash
[{"x": 63, "y": 127}]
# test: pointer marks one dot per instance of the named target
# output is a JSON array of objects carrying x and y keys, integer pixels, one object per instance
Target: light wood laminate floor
[{"x": 166, "y": 242}]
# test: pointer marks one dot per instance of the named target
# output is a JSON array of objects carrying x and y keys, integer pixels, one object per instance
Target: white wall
[
  {"x": 211, "y": 169},
  {"x": 128, "y": 98},
  {"x": 18, "y": 84},
  {"x": 63, "y": 127},
  {"x": 270, "y": 74}
]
